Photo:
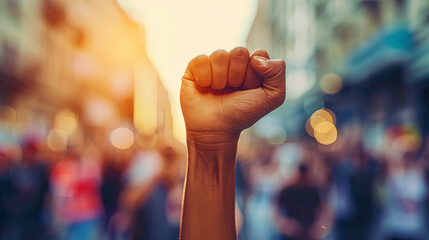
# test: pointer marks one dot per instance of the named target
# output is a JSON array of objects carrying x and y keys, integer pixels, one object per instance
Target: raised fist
[{"x": 227, "y": 92}]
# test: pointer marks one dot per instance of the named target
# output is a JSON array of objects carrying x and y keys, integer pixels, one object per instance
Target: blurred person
[
  {"x": 425, "y": 160},
  {"x": 4, "y": 169},
  {"x": 113, "y": 183},
  {"x": 242, "y": 194},
  {"x": 150, "y": 197},
  {"x": 300, "y": 214},
  {"x": 221, "y": 95},
  {"x": 264, "y": 183},
  {"x": 173, "y": 181},
  {"x": 174, "y": 206},
  {"x": 25, "y": 187},
  {"x": 246, "y": 152},
  {"x": 77, "y": 203},
  {"x": 352, "y": 194},
  {"x": 404, "y": 207}
]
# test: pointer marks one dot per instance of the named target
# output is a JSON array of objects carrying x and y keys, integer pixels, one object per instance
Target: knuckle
[
  {"x": 199, "y": 60},
  {"x": 282, "y": 64},
  {"x": 220, "y": 57},
  {"x": 219, "y": 51},
  {"x": 260, "y": 52},
  {"x": 239, "y": 53}
]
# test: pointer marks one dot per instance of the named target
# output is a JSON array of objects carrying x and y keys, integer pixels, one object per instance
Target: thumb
[
  {"x": 273, "y": 73},
  {"x": 272, "y": 70}
]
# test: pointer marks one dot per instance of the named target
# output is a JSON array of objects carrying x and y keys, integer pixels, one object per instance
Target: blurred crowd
[
  {"x": 297, "y": 190},
  {"x": 85, "y": 193},
  {"x": 302, "y": 190}
]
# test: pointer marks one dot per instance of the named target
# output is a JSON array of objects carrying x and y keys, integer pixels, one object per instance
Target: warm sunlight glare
[{"x": 176, "y": 31}]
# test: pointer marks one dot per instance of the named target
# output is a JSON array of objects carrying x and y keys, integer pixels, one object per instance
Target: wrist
[
  {"x": 212, "y": 140},
  {"x": 211, "y": 156}
]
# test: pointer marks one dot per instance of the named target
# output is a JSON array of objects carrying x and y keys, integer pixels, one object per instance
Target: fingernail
[{"x": 260, "y": 60}]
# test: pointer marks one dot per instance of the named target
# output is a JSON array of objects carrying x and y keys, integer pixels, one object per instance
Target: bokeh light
[
  {"x": 67, "y": 121},
  {"x": 331, "y": 83},
  {"x": 7, "y": 115},
  {"x": 321, "y": 115},
  {"x": 57, "y": 140},
  {"x": 276, "y": 135},
  {"x": 321, "y": 126},
  {"x": 122, "y": 138},
  {"x": 99, "y": 111},
  {"x": 332, "y": 114},
  {"x": 309, "y": 128},
  {"x": 325, "y": 133}
]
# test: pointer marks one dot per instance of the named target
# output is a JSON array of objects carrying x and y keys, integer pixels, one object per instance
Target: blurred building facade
[
  {"x": 80, "y": 59},
  {"x": 365, "y": 60}
]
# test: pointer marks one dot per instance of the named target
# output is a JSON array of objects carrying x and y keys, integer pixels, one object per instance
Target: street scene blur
[{"x": 92, "y": 140}]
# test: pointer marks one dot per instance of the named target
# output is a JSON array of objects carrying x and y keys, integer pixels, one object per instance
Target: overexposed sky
[{"x": 178, "y": 30}]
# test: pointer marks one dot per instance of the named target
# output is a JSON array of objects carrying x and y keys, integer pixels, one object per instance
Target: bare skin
[{"x": 221, "y": 95}]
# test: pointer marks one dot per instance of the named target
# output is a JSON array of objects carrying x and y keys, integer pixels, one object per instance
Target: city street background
[{"x": 92, "y": 139}]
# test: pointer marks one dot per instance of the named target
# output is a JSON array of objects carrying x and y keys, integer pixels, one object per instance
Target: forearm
[{"x": 209, "y": 195}]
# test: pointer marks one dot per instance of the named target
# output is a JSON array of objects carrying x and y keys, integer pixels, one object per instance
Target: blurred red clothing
[{"x": 76, "y": 189}]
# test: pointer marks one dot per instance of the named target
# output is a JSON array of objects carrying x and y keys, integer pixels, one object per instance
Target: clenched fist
[
  {"x": 221, "y": 95},
  {"x": 227, "y": 92}
]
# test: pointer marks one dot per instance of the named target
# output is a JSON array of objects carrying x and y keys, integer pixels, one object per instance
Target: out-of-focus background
[{"x": 92, "y": 137}]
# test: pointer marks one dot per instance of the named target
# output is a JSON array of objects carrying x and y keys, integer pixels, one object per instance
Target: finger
[
  {"x": 260, "y": 52},
  {"x": 273, "y": 72},
  {"x": 219, "y": 61},
  {"x": 238, "y": 62},
  {"x": 253, "y": 80},
  {"x": 199, "y": 70}
]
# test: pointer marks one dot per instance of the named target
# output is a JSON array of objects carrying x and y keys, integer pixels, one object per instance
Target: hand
[
  {"x": 225, "y": 93},
  {"x": 220, "y": 96}
]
